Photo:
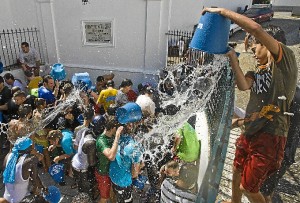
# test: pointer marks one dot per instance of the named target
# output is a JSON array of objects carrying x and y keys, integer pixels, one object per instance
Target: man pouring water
[{"x": 260, "y": 147}]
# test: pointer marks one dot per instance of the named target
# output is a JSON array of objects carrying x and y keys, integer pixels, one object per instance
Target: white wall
[
  {"x": 286, "y": 2},
  {"x": 185, "y": 14},
  {"x": 129, "y": 33},
  {"x": 18, "y": 14}
]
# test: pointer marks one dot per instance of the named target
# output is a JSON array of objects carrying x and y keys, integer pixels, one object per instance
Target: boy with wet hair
[
  {"x": 183, "y": 189},
  {"x": 62, "y": 140},
  {"x": 107, "y": 146},
  {"x": 121, "y": 97},
  {"x": 169, "y": 170},
  {"x": 20, "y": 169},
  {"x": 107, "y": 96},
  {"x": 34, "y": 81},
  {"x": 83, "y": 163},
  {"x": 124, "y": 169},
  {"x": 272, "y": 86},
  {"x": 22, "y": 126}
]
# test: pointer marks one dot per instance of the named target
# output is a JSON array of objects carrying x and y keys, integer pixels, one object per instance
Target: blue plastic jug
[
  {"x": 58, "y": 71},
  {"x": 130, "y": 112},
  {"x": 212, "y": 34}
]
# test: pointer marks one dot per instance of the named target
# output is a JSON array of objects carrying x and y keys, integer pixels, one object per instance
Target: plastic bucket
[
  {"x": 82, "y": 80},
  {"x": 1, "y": 67},
  {"x": 53, "y": 195},
  {"x": 46, "y": 94},
  {"x": 39, "y": 148},
  {"x": 58, "y": 72},
  {"x": 212, "y": 34},
  {"x": 80, "y": 119},
  {"x": 130, "y": 112},
  {"x": 56, "y": 171}
]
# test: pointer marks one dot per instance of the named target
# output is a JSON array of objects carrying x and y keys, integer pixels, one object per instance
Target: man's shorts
[
  {"x": 257, "y": 158},
  {"x": 104, "y": 185}
]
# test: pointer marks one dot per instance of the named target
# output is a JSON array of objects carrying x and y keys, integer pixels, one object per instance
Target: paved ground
[{"x": 288, "y": 189}]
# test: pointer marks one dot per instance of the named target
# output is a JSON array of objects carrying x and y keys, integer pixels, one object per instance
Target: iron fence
[
  {"x": 10, "y": 42},
  {"x": 178, "y": 44}
]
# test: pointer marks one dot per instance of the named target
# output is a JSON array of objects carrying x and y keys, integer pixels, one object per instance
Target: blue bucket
[
  {"x": 82, "y": 80},
  {"x": 39, "y": 148},
  {"x": 56, "y": 171},
  {"x": 53, "y": 195},
  {"x": 212, "y": 34},
  {"x": 130, "y": 112},
  {"x": 58, "y": 72},
  {"x": 1, "y": 67},
  {"x": 80, "y": 119},
  {"x": 46, "y": 94}
]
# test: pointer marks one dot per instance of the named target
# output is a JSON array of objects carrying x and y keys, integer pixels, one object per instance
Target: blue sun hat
[
  {"x": 10, "y": 169},
  {"x": 53, "y": 195}
]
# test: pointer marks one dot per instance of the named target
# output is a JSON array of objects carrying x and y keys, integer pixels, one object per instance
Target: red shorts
[
  {"x": 104, "y": 185},
  {"x": 257, "y": 158}
]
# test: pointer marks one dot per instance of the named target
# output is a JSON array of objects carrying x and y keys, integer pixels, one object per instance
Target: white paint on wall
[{"x": 286, "y": 2}]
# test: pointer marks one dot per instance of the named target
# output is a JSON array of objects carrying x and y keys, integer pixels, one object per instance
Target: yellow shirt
[
  {"x": 34, "y": 82},
  {"x": 107, "y": 97}
]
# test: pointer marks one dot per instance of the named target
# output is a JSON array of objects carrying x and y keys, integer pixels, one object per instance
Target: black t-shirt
[
  {"x": 30, "y": 100},
  {"x": 12, "y": 110},
  {"x": 5, "y": 95}
]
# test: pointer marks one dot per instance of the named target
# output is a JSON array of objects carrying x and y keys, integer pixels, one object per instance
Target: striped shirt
[{"x": 171, "y": 193}]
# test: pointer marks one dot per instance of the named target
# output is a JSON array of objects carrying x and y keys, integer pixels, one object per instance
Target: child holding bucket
[
  {"x": 272, "y": 86},
  {"x": 62, "y": 140}
]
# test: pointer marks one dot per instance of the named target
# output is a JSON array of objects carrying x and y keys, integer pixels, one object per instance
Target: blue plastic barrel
[
  {"x": 58, "y": 71},
  {"x": 82, "y": 80},
  {"x": 212, "y": 34},
  {"x": 130, "y": 112},
  {"x": 56, "y": 171},
  {"x": 53, "y": 195}
]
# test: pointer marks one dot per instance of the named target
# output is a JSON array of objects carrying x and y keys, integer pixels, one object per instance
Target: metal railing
[
  {"x": 10, "y": 42},
  {"x": 178, "y": 44},
  {"x": 219, "y": 111}
]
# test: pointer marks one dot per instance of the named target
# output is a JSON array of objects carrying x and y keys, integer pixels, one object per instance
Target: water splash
[{"x": 193, "y": 87}]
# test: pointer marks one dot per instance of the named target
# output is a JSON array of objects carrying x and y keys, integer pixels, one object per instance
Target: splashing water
[
  {"x": 192, "y": 90},
  {"x": 51, "y": 114}
]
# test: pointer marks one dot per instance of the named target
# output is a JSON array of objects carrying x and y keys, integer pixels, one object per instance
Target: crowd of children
[{"x": 47, "y": 126}]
